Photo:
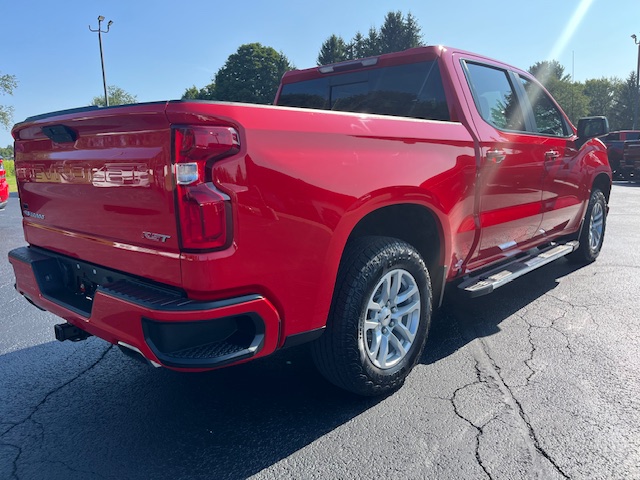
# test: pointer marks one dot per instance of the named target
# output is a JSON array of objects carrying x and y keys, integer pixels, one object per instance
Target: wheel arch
[
  {"x": 603, "y": 183},
  {"x": 415, "y": 224}
]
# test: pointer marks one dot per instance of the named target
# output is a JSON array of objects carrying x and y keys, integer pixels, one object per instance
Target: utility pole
[
  {"x": 100, "y": 32},
  {"x": 637, "y": 91}
]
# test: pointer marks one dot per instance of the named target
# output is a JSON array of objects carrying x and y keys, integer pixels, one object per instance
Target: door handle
[
  {"x": 496, "y": 156},
  {"x": 551, "y": 155}
]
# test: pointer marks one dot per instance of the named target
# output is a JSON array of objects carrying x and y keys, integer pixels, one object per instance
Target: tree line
[
  {"x": 611, "y": 97},
  {"x": 252, "y": 75}
]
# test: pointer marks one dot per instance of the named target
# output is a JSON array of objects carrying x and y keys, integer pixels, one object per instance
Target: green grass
[{"x": 11, "y": 175}]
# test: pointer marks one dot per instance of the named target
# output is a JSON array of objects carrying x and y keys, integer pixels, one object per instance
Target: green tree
[
  {"x": 601, "y": 93},
  {"x": 549, "y": 70},
  {"x": 622, "y": 118},
  {"x": 569, "y": 95},
  {"x": 117, "y": 96},
  {"x": 7, "y": 153},
  {"x": 208, "y": 92},
  {"x": 398, "y": 32},
  {"x": 334, "y": 50},
  {"x": 7, "y": 84},
  {"x": 251, "y": 75}
]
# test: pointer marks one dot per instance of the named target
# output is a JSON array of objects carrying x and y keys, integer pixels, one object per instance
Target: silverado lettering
[{"x": 336, "y": 217}]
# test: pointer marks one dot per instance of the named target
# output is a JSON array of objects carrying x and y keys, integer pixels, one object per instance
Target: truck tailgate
[{"x": 96, "y": 184}]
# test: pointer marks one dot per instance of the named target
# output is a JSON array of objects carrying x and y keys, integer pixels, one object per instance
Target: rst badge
[{"x": 156, "y": 237}]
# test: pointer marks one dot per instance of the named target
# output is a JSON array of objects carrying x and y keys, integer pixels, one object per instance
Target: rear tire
[
  {"x": 379, "y": 318},
  {"x": 593, "y": 228}
]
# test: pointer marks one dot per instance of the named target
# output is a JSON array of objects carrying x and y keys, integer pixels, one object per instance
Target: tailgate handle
[{"x": 60, "y": 133}]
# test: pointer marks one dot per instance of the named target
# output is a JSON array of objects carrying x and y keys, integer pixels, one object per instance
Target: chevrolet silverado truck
[
  {"x": 630, "y": 164},
  {"x": 615, "y": 143},
  {"x": 196, "y": 235}
]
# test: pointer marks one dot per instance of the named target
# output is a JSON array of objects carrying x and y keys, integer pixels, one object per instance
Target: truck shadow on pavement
[{"x": 87, "y": 411}]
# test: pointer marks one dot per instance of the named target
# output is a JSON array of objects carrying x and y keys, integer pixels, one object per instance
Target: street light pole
[
  {"x": 100, "y": 32},
  {"x": 637, "y": 92}
]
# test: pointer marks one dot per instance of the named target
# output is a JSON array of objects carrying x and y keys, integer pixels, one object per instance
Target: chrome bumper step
[{"x": 487, "y": 282}]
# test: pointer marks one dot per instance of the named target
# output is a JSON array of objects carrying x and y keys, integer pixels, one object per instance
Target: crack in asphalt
[
  {"x": 479, "y": 429},
  {"x": 517, "y": 407},
  {"x": 488, "y": 371},
  {"x": 529, "y": 361},
  {"x": 14, "y": 473}
]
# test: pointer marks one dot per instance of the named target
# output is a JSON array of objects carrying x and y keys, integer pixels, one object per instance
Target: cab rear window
[{"x": 412, "y": 90}]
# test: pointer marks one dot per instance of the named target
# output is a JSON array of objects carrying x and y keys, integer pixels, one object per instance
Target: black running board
[{"x": 488, "y": 281}]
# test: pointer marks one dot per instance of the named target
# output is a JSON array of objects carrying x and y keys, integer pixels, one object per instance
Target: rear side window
[
  {"x": 494, "y": 97},
  {"x": 411, "y": 90},
  {"x": 633, "y": 136}
]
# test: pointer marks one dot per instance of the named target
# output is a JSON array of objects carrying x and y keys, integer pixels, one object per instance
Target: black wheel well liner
[
  {"x": 602, "y": 182},
  {"x": 414, "y": 224}
]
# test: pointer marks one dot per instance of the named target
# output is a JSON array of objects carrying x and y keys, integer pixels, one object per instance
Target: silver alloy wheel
[
  {"x": 596, "y": 226},
  {"x": 392, "y": 319}
]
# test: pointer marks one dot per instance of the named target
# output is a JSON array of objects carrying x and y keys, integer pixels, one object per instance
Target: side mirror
[{"x": 591, "y": 127}]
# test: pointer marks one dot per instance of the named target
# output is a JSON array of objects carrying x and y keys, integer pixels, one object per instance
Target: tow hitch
[{"x": 66, "y": 331}]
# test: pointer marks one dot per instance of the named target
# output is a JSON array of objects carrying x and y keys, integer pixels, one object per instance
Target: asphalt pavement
[{"x": 540, "y": 379}]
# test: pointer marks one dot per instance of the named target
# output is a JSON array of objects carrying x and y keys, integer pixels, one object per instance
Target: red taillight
[{"x": 204, "y": 212}]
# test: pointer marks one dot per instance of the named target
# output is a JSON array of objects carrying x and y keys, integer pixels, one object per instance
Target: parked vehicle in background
[
  {"x": 197, "y": 235},
  {"x": 630, "y": 165},
  {"x": 615, "y": 149},
  {"x": 4, "y": 186}
]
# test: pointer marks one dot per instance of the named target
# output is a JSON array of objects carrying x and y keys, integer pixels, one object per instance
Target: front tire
[
  {"x": 379, "y": 318},
  {"x": 592, "y": 234}
]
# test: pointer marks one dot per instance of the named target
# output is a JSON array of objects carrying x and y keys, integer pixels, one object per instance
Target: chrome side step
[{"x": 488, "y": 281}]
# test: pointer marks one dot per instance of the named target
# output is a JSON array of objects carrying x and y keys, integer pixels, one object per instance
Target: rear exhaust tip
[{"x": 66, "y": 331}]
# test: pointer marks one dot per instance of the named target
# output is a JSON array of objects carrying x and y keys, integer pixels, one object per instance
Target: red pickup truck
[{"x": 197, "y": 235}]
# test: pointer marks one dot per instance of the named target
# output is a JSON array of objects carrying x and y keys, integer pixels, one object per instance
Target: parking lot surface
[{"x": 541, "y": 379}]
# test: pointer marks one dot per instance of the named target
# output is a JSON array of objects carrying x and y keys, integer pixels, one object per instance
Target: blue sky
[{"x": 156, "y": 49}]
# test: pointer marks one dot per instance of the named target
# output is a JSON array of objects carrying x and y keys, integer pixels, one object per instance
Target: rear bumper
[{"x": 161, "y": 323}]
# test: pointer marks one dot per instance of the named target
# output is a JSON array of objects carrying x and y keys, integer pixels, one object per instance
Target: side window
[
  {"x": 549, "y": 120},
  {"x": 494, "y": 97}
]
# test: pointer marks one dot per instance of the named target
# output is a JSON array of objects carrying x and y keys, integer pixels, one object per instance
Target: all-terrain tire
[
  {"x": 379, "y": 318},
  {"x": 593, "y": 228}
]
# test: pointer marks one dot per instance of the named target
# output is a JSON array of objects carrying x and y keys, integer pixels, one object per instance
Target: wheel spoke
[
  {"x": 383, "y": 351},
  {"x": 376, "y": 338},
  {"x": 385, "y": 290},
  {"x": 398, "y": 346},
  {"x": 405, "y": 309},
  {"x": 374, "y": 306},
  {"x": 371, "y": 325},
  {"x": 396, "y": 283},
  {"x": 403, "y": 330},
  {"x": 404, "y": 296}
]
